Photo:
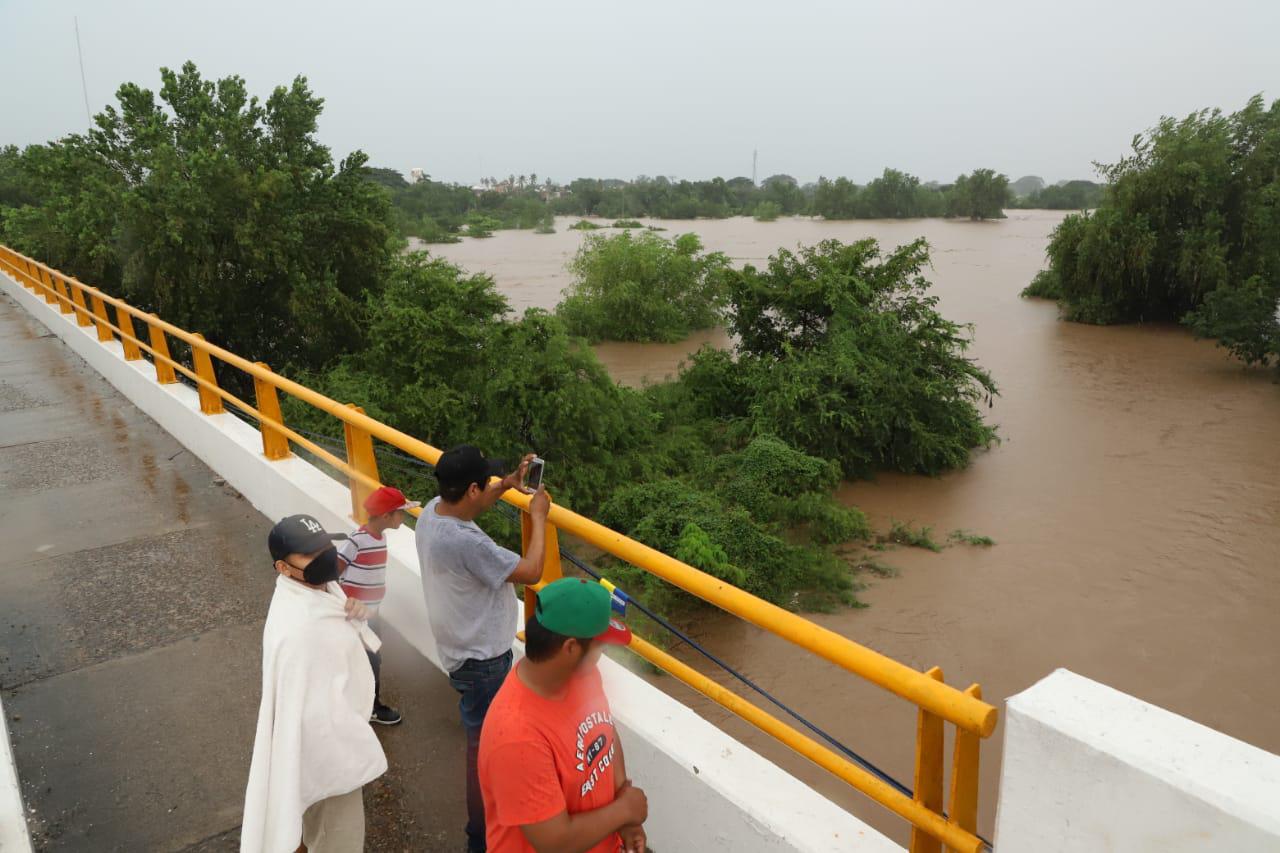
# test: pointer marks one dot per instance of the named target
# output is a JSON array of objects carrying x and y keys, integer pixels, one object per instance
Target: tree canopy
[
  {"x": 643, "y": 287},
  {"x": 220, "y": 212},
  {"x": 1188, "y": 229}
]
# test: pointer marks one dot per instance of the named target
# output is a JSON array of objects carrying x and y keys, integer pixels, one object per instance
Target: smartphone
[{"x": 533, "y": 474}]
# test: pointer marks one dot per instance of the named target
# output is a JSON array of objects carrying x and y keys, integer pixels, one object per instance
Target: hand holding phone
[{"x": 533, "y": 474}]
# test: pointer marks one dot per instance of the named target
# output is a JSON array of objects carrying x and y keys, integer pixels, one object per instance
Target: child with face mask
[{"x": 314, "y": 750}]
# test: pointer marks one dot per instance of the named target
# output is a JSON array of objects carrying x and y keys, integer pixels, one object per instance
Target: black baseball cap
[
  {"x": 298, "y": 534},
  {"x": 465, "y": 464}
]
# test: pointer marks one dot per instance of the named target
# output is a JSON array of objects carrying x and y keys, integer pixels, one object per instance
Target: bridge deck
[{"x": 134, "y": 588}]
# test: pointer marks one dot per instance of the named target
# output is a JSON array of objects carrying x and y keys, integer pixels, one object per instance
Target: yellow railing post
[
  {"x": 210, "y": 402},
  {"x": 551, "y": 569},
  {"x": 64, "y": 304},
  {"x": 100, "y": 313},
  {"x": 82, "y": 316},
  {"x": 275, "y": 444},
  {"x": 128, "y": 336},
  {"x": 160, "y": 352},
  {"x": 360, "y": 456},
  {"x": 43, "y": 282},
  {"x": 930, "y": 745},
  {"x": 963, "y": 806},
  {"x": 22, "y": 271}
]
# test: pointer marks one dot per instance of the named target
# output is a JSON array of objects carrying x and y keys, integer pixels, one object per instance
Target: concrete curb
[{"x": 13, "y": 818}]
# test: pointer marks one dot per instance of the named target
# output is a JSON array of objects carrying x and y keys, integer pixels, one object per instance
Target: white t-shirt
[{"x": 473, "y": 608}]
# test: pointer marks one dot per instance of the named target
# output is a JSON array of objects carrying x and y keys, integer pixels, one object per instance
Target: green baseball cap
[{"x": 577, "y": 607}]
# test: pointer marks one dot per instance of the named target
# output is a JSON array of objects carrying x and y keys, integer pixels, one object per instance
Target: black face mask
[{"x": 322, "y": 569}]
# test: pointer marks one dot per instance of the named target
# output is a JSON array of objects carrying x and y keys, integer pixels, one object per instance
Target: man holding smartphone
[{"x": 467, "y": 582}]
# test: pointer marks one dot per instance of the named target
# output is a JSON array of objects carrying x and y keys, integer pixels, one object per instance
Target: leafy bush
[
  {"x": 968, "y": 538},
  {"x": 768, "y": 211},
  {"x": 1046, "y": 285},
  {"x": 843, "y": 354},
  {"x": 914, "y": 537},
  {"x": 628, "y": 223},
  {"x": 584, "y": 225},
  {"x": 429, "y": 230},
  {"x": 479, "y": 225},
  {"x": 777, "y": 483},
  {"x": 641, "y": 287},
  {"x": 674, "y": 516}
]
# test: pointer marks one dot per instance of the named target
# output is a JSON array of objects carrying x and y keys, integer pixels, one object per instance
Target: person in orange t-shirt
[{"x": 551, "y": 768}]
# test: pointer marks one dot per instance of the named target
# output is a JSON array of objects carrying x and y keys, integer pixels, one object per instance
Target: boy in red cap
[
  {"x": 362, "y": 559},
  {"x": 551, "y": 767}
]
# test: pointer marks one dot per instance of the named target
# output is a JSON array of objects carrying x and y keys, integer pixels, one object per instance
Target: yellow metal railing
[{"x": 937, "y": 702}]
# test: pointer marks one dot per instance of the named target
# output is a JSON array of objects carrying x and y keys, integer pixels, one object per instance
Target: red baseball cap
[{"x": 388, "y": 499}]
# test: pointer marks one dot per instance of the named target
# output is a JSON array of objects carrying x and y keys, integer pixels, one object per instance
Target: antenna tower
[{"x": 84, "y": 88}]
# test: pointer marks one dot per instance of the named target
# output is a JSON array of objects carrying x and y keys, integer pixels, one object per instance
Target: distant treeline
[
  {"x": 1069, "y": 195},
  {"x": 437, "y": 211}
]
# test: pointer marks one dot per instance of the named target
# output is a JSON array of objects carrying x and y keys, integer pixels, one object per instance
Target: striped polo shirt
[{"x": 363, "y": 564}]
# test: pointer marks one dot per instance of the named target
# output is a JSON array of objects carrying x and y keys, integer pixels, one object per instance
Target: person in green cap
[{"x": 551, "y": 768}]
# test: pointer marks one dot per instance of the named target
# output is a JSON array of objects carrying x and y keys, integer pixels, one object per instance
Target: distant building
[{"x": 416, "y": 175}]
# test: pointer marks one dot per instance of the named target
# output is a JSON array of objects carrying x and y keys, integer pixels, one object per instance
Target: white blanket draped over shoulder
[{"x": 314, "y": 739}]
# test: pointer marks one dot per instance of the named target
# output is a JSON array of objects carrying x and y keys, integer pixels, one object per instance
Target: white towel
[{"x": 314, "y": 739}]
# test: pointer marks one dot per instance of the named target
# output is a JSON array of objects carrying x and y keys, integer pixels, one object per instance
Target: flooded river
[{"x": 1134, "y": 499}]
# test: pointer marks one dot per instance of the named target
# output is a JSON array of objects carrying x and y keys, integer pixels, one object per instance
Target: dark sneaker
[{"x": 384, "y": 716}]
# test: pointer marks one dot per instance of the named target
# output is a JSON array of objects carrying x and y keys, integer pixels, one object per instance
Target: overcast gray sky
[{"x": 607, "y": 89}]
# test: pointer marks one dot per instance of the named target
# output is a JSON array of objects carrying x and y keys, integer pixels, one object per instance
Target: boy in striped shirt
[{"x": 362, "y": 562}]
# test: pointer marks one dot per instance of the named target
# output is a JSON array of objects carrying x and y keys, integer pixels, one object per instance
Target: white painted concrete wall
[
  {"x": 707, "y": 792},
  {"x": 1088, "y": 768}
]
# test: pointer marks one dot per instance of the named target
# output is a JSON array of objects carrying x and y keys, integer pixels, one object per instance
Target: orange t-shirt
[{"x": 540, "y": 757}]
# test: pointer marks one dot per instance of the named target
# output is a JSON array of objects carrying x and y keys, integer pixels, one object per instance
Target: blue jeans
[{"x": 477, "y": 682}]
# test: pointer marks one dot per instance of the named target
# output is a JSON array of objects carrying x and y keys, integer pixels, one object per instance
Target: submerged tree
[
  {"x": 1188, "y": 230},
  {"x": 642, "y": 287}
]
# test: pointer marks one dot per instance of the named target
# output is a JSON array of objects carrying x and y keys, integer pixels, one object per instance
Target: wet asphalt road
[{"x": 134, "y": 585}]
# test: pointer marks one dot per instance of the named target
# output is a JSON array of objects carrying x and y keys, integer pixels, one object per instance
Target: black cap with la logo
[{"x": 298, "y": 534}]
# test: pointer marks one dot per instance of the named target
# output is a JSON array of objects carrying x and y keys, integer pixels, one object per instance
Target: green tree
[
  {"x": 1188, "y": 229},
  {"x": 219, "y": 212},
  {"x": 980, "y": 195},
  {"x": 843, "y": 354},
  {"x": 767, "y": 211},
  {"x": 892, "y": 195},
  {"x": 642, "y": 287}
]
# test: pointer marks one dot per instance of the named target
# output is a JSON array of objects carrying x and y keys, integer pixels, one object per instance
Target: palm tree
[{"x": 533, "y": 179}]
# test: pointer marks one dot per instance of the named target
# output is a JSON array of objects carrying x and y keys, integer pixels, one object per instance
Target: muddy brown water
[{"x": 1134, "y": 499}]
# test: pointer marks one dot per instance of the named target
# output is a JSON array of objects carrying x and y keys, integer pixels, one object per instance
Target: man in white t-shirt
[{"x": 467, "y": 582}]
